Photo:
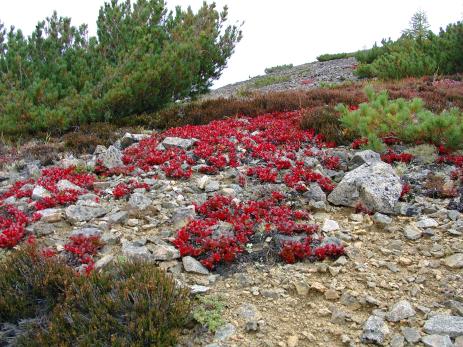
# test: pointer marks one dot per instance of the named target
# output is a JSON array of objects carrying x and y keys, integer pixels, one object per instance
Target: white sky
[{"x": 275, "y": 32}]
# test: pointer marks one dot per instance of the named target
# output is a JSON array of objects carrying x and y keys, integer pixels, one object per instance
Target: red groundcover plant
[{"x": 198, "y": 238}]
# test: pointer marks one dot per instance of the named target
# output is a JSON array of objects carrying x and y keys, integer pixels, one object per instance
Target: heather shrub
[
  {"x": 31, "y": 284},
  {"x": 324, "y": 120},
  {"x": 407, "y": 120},
  {"x": 130, "y": 304},
  {"x": 86, "y": 137}
]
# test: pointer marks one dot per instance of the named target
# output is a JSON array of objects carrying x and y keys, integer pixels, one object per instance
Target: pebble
[{"x": 400, "y": 311}]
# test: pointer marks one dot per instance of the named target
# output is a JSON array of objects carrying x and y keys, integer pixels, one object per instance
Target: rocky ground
[
  {"x": 398, "y": 282},
  {"x": 306, "y": 76}
]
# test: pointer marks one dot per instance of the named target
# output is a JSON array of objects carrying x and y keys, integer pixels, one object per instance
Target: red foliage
[
  {"x": 332, "y": 163},
  {"x": 391, "y": 157},
  {"x": 406, "y": 188},
  {"x": 83, "y": 248},
  {"x": 357, "y": 143}
]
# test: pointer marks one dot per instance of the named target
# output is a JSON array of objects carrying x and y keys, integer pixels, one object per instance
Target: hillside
[
  {"x": 281, "y": 236},
  {"x": 300, "y": 77}
]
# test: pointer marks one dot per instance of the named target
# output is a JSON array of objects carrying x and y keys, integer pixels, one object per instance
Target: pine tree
[{"x": 419, "y": 27}]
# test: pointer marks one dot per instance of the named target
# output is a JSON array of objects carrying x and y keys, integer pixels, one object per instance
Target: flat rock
[
  {"x": 63, "y": 185},
  {"x": 83, "y": 213},
  {"x": 178, "y": 142},
  {"x": 375, "y": 330},
  {"x": 436, "y": 341},
  {"x": 190, "y": 264},
  {"x": 375, "y": 185},
  {"x": 51, "y": 215},
  {"x": 411, "y": 232},
  {"x": 330, "y": 225},
  {"x": 224, "y": 332},
  {"x": 39, "y": 192},
  {"x": 139, "y": 201},
  {"x": 444, "y": 325},
  {"x": 400, "y": 311},
  {"x": 427, "y": 223},
  {"x": 164, "y": 252},
  {"x": 87, "y": 232},
  {"x": 454, "y": 261}
]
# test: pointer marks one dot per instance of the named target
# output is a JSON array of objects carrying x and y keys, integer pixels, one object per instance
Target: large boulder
[
  {"x": 375, "y": 185},
  {"x": 111, "y": 158}
]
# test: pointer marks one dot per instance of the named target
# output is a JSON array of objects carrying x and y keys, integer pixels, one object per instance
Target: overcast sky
[{"x": 275, "y": 32}]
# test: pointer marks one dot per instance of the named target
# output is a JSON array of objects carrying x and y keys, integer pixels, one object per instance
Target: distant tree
[{"x": 419, "y": 27}]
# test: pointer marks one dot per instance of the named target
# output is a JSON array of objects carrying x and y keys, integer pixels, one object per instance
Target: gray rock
[
  {"x": 129, "y": 139},
  {"x": 427, "y": 223},
  {"x": 382, "y": 218},
  {"x": 83, "y": 213},
  {"x": 411, "y": 232},
  {"x": 400, "y": 311},
  {"x": 178, "y": 142},
  {"x": 225, "y": 332},
  {"x": 222, "y": 229},
  {"x": 315, "y": 193},
  {"x": 412, "y": 335},
  {"x": 104, "y": 261},
  {"x": 441, "y": 324},
  {"x": 330, "y": 225},
  {"x": 455, "y": 306},
  {"x": 375, "y": 330},
  {"x": 190, "y": 264},
  {"x": 118, "y": 217},
  {"x": 182, "y": 216},
  {"x": 139, "y": 201},
  {"x": 364, "y": 157},
  {"x": 164, "y": 252},
  {"x": 86, "y": 232},
  {"x": 454, "y": 215},
  {"x": 454, "y": 261},
  {"x": 63, "y": 185},
  {"x": 375, "y": 185},
  {"x": 111, "y": 158},
  {"x": 397, "y": 341},
  {"x": 51, "y": 215},
  {"x": 212, "y": 186},
  {"x": 437, "y": 341},
  {"x": 458, "y": 342},
  {"x": 198, "y": 289},
  {"x": 39, "y": 192},
  {"x": 132, "y": 251}
]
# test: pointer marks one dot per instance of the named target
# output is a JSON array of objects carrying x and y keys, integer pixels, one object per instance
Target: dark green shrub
[
  {"x": 87, "y": 136},
  {"x": 409, "y": 121},
  {"x": 142, "y": 58},
  {"x": 324, "y": 120}
]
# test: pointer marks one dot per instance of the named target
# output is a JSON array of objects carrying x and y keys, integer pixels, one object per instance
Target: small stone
[
  {"x": 315, "y": 193},
  {"x": 132, "y": 251},
  {"x": 198, "y": 289},
  {"x": 400, "y": 311},
  {"x": 363, "y": 157},
  {"x": 82, "y": 213},
  {"x": 412, "y": 335},
  {"x": 454, "y": 215},
  {"x": 190, "y": 264},
  {"x": 427, "y": 223},
  {"x": 118, "y": 217},
  {"x": 39, "y": 193},
  {"x": 454, "y": 261},
  {"x": 444, "y": 325},
  {"x": 397, "y": 341},
  {"x": 139, "y": 201},
  {"x": 382, "y": 218},
  {"x": 63, "y": 185},
  {"x": 292, "y": 341},
  {"x": 103, "y": 262},
  {"x": 411, "y": 232},
  {"x": 164, "y": 252},
  {"x": 437, "y": 341},
  {"x": 87, "y": 232},
  {"x": 178, "y": 142},
  {"x": 212, "y": 186},
  {"x": 375, "y": 330},
  {"x": 51, "y": 215},
  {"x": 331, "y": 294},
  {"x": 330, "y": 225},
  {"x": 225, "y": 332},
  {"x": 182, "y": 216}
]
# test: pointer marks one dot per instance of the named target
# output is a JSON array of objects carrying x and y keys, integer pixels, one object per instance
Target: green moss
[{"x": 209, "y": 312}]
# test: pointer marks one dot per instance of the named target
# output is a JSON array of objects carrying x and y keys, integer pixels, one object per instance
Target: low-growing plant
[
  {"x": 265, "y": 81},
  {"x": 324, "y": 120},
  {"x": 278, "y": 68},
  {"x": 209, "y": 312},
  {"x": 132, "y": 303}
]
